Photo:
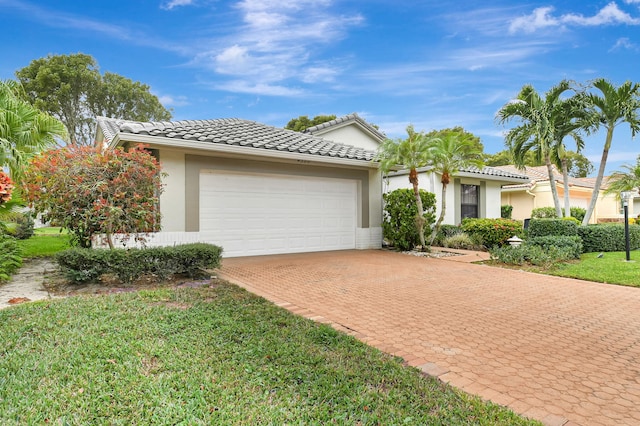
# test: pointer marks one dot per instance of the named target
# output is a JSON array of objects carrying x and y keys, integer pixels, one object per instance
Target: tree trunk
[
  {"x": 436, "y": 228},
  {"x": 552, "y": 183},
  {"x": 413, "y": 178},
  {"x": 565, "y": 178},
  {"x": 596, "y": 187}
]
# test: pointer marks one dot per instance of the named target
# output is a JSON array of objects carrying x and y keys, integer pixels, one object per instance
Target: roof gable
[
  {"x": 349, "y": 119},
  {"x": 231, "y": 132}
]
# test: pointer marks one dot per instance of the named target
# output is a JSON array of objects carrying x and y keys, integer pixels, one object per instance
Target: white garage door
[{"x": 255, "y": 214}]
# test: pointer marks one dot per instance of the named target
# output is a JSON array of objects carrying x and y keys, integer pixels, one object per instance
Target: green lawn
[
  {"x": 610, "y": 268},
  {"x": 207, "y": 356},
  {"x": 44, "y": 243}
]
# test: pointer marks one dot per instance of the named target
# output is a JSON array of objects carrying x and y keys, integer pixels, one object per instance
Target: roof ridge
[{"x": 344, "y": 119}]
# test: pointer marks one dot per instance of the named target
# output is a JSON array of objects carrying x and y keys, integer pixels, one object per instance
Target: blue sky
[{"x": 432, "y": 64}]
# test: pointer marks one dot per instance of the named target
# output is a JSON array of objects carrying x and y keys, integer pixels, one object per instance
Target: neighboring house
[
  {"x": 255, "y": 189},
  {"x": 472, "y": 192},
  {"x": 537, "y": 193}
]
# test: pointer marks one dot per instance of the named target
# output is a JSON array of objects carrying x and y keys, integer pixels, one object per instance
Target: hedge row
[
  {"x": 82, "y": 264},
  {"x": 608, "y": 237},
  {"x": 595, "y": 238}
]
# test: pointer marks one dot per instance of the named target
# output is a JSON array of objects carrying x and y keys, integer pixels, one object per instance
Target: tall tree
[
  {"x": 539, "y": 118},
  {"x": 411, "y": 153},
  {"x": 609, "y": 108},
  {"x": 303, "y": 122},
  {"x": 70, "y": 88},
  {"x": 449, "y": 153},
  {"x": 24, "y": 130}
]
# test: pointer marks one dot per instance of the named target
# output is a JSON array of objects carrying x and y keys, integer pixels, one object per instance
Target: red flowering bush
[
  {"x": 91, "y": 192},
  {"x": 6, "y": 187}
]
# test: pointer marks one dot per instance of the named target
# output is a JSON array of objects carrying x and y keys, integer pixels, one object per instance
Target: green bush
[
  {"x": 544, "y": 213},
  {"x": 608, "y": 237},
  {"x": 492, "y": 232},
  {"x": 460, "y": 241},
  {"x": 556, "y": 227},
  {"x": 578, "y": 213},
  {"x": 82, "y": 264},
  {"x": 529, "y": 254},
  {"x": 10, "y": 259},
  {"x": 505, "y": 211},
  {"x": 445, "y": 232},
  {"x": 572, "y": 243},
  {"x": 400, "y": 211},
  {"x": 19, "y": 225}
]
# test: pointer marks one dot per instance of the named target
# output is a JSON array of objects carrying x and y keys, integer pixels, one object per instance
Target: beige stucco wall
[
  {"x": 172, "y": 200},
  {"x": 350, "y": 135},
  {"x": 523, "y": 202}
]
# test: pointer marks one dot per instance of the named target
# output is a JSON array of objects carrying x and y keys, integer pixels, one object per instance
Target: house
[
  {"x": 473, "y": 192},
  {"x": 536, "y": 193},
  {"x": 350, "y": 129},
  {"x": 255, "y": 189}
]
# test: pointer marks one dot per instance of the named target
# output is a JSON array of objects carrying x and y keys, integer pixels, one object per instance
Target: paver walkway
[
  {"x": 27, "y": 283},
  {"x": 563, "y": 351}
]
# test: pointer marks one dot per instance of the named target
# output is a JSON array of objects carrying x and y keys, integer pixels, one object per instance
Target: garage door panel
[{"x": 252, "y": 214}]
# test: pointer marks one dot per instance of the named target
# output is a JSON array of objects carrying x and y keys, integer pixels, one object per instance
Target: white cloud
[
  {"x": 240, "y": 86},
  {"x": 623, "y": 43},
  {"x": 175, "y": 3},
  {"x": 173, "y": 101},
  {"x": 542, "y": 17}
]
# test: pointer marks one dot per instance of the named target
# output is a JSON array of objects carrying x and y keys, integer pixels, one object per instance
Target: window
[{"x": 469, "y": 201}]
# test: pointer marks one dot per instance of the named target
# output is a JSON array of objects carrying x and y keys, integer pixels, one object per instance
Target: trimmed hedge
[
  {"x": 10, "y": 259},
  {"x": 492, "y": 232},
  {"x": 82, "y": 264},
  {"x": 563, "y": 242},
  {"x": 608, "y": 237},
  {"x": 553, "y": 227}
]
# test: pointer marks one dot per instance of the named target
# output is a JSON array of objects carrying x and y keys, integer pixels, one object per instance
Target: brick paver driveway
[{"x": 559, "y": 350}]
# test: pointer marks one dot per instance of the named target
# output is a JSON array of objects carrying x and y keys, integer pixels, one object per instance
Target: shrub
[
  {"x": 544, "y": 213},
  {"x": 20, "y": 225},
  {"x": 460, "y": 241},
  {"x": 529, "y": 254},
  {"x": 572, "y": 243},
  {"x": 578, "y": 213},
  {"x": 492, "y": 232},
  {"x": 10, "y": 259},
  {"x": 400, "y": 211},
  {"x": 81, "y": 264},
  {"x": 557, "y": 227},
  {"x": 505, "y": 211},
  {"x": 445, "y": 232},
  {"x": 608, "y": 237}
]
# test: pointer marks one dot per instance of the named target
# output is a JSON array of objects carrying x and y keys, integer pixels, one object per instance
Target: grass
[
  {"x": 611, "y": 268},
  {"x": 45, "y": 243},
  {"x": 208, "y": 356},
  {"x": 50, "y": 230}
]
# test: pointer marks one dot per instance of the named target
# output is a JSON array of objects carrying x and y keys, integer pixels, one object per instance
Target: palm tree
[
  {"x": 538, "y": 132},
  {"x": 570, "y": 119},
  {"x": 620, "y": 181},
  {"x": 614, "y": 106},
  {"x": 24, "y": 130},
  {"x": 448, "y": 154},
  {"x": 411, "y": 153}
]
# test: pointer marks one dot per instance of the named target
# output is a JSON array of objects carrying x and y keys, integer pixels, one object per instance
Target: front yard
[{"x": 207, "y": 355}]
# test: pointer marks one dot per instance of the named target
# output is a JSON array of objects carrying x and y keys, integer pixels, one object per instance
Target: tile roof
[
  {"x": 354, "y": 117},
  {"x": 540, "y": 174},
  {"x": 486, "y": 171},
  {"x": 237, "y": 132}
]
